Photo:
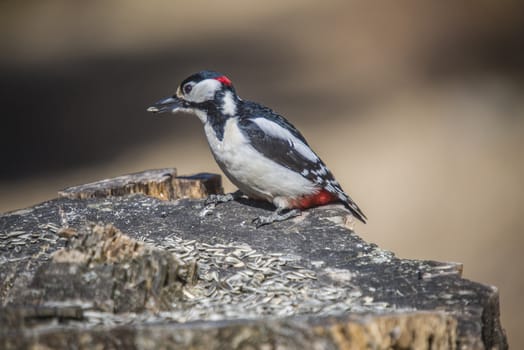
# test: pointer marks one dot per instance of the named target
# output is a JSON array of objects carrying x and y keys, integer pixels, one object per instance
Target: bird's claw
[
  {"x": 275, "y": 217},
  {"x": 221, "y": 198},
  {"x": 214, "y": 199},
  {"x": 261, "y": 221}
]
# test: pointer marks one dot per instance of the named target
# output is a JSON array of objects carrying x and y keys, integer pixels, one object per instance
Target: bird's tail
[{"x": 355, "y": 210}]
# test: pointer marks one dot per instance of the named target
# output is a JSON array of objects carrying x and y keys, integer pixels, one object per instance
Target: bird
[{"x": 259, "y": 150}]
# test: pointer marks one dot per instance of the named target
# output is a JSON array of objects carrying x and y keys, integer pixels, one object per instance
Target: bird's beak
[{"x": 168, "y": 104}]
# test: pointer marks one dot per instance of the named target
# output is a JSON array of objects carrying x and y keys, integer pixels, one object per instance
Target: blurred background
[{"x": 417, "y": 108}]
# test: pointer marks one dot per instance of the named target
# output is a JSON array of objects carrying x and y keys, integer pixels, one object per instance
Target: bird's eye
[{"x": 188, "y": 88}]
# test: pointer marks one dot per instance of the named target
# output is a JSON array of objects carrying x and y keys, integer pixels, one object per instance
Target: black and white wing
[{"x": 277, "y": 139}]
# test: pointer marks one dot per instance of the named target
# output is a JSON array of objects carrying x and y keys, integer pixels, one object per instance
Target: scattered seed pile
[
  {"x": 235, "y": 281},
  {"x": 232, "y": 281}
]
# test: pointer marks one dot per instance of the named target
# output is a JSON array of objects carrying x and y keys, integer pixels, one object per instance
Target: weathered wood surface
[
  {"x": 208, "y": 279},
  {"x": 159, "y": 183}
]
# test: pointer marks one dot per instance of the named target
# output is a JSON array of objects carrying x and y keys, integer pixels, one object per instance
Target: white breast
[{"x": 249, "y": 170}]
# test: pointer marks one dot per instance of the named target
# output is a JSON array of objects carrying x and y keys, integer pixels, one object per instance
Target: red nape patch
[
  {"x": 321, "y": 198},
  {"x": 224, "y": 80}
]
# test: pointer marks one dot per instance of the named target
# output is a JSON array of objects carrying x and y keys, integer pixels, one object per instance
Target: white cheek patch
[
  {"x": 275, "y": 130},
  {"x": 204, "y": 91}
]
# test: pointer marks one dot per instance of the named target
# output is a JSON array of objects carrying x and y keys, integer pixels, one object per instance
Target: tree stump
[{"x": 103, "y": 266}]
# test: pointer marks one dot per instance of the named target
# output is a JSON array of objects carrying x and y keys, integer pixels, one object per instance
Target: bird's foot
[
  {"x": 214, "y": 199},
  {"x": 275, "y": 217}
]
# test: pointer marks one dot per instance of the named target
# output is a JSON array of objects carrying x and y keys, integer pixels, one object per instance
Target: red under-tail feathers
[
  {"x": 324, "y": 197},
  {"x": 320, "y": 198}
]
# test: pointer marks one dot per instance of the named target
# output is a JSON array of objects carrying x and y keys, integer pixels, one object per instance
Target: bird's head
[{"x": 204, "y": 93}]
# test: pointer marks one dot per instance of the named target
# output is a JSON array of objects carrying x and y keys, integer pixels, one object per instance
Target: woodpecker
[{"x": 261, "y": 152}]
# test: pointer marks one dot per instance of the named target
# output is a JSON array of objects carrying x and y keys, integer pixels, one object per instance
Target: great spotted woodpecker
[{"x": 262, "y": 153}]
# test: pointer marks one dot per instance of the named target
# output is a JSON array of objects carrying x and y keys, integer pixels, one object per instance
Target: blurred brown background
[{"x": 417, "y": 107}]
